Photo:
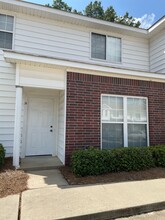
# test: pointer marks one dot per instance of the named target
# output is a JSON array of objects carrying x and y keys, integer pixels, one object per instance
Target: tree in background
[
  {"x": 127, "y": 20},
  {"x": 59, "y": 4},
  {"x": 110, "y": 14},
  {"x": 95, "y": 10},
  {"x": 77, "y": 12}
]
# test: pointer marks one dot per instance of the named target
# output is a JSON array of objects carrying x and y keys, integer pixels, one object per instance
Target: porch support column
[{"x": 17, "y": 127}]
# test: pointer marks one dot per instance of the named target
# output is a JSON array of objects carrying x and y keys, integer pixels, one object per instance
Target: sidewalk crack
[{"x": 19, "y": 208}]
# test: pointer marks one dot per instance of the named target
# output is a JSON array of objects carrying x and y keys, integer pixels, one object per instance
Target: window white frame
[
  {"x": 125, "y": 123},
  {"x": 106, "y": 35},
  {"x": 12, "y": 32}
]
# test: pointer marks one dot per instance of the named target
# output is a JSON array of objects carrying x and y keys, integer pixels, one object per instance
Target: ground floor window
[{"x": 124, "y": 121}]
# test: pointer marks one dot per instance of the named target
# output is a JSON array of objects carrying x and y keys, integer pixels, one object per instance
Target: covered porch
[{"x": 40, "y": 112}]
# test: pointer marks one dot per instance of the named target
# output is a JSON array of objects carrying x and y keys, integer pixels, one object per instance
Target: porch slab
[
  {"x": 40, "y": 163},
  {"x": 45, "y": 178},
  {"x": 93, "y": 202},
  {"x": 9, "y": 207}
]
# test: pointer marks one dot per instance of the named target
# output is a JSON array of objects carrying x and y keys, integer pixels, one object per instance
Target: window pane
[
  {"x": 112, "y": 109},
  {"x": 114, "y": 49},
  {"x": 6, "y": 22},
  {"x": 136, "y": 110},
  {"x": 137, "y": 135},
  {"x": 2, "y": 18},
  {"x": 2, "y": 25},
  {"x": 9, "y": 27},
  {"x": 112, "y": 136},
  {"x": 10, "y": 19},
  {"x": 5, "y": 40},
  {"x": 98, "y": 48}
]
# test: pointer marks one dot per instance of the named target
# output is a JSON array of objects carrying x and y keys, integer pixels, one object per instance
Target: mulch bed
[
  {"x": 154, "y": 173},
  {"x": 11, "y": 181}
]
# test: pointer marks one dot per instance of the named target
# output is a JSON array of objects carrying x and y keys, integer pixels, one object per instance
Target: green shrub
[
  {"x": 2, "y": 155},
  {"x": 158, "y": 154},
  {"x": 95, "y": 162},
  {"x": 89, "y": 162},
  {"x": 131, "y": 159}
]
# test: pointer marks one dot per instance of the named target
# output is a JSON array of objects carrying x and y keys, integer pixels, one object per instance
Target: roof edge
[
  {"x": 66, "y": 15},
  {"x": 88, "y": 20}
]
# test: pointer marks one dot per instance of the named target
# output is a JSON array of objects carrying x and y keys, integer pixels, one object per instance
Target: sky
[{"x": 146, "y": 11}]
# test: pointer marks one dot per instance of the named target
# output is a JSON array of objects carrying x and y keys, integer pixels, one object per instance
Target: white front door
[{"x": 40, "y": 130}]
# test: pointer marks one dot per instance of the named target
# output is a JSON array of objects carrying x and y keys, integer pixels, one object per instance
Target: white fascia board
[
  {"x": 157, "y": 24},
  {"x": 69, "y": 65},
  {"x": 157, "y": 27}
]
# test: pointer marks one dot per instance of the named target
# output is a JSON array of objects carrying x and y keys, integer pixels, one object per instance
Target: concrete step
[
  {"x": 40, "y": 163},
  {"x": 40, "y": 168}
]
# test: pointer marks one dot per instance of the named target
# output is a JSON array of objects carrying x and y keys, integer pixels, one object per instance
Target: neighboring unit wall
[
  {"x": 7, "y": 104},
  {"x": 83, "y": 107},
  {"x": 61, "y": 130},
  {"x": 65, "y": 41},
  {"x": 157, "y": 53}
]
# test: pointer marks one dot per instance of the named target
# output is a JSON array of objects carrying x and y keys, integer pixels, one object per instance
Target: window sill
[{"x": 108, "y": 63}]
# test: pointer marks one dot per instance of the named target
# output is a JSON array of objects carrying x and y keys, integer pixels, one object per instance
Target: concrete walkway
[
  {"x": 45, "y": 178},
  {"x": 50, "y": 198},
  {"x": 9, "y": 207},
  {"x": 105, "y": 201}
]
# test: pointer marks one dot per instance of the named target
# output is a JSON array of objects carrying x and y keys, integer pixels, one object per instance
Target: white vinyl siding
[
  {"x": 50, "y": 39},
  {"x": 65, "y": 41},
  {"x": 61, "y": 138},
  {"x": 7, "y": 104},
  {"x": 157, "y": 55},
  {"x": 135, "y": 53},
  {"x": 124, "y": 121}
]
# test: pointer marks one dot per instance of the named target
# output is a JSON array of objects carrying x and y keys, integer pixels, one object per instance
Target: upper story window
[
  {"x": 6, "y": 31},
  {"x": 106, "y": 48}
]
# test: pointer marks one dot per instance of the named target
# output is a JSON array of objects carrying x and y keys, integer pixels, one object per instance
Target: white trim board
[{"x": 82, "y": 67}]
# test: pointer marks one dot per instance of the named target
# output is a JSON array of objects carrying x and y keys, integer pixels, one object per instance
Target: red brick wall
[{"x": 83, "y": 107}]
